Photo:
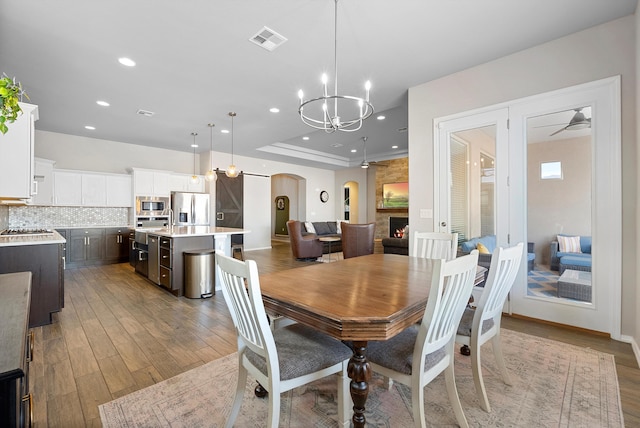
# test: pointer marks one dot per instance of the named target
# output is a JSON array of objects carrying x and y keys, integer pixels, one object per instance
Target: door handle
[
  {"x": 220, "y": 216},
  {"x": 443, "y": 224}
]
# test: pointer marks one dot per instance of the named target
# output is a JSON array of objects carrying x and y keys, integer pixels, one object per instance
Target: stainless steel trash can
[{"x": 199, "y": 273}]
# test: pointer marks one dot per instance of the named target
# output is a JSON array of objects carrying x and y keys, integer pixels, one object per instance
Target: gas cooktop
[{"x": 15, "y": 232}]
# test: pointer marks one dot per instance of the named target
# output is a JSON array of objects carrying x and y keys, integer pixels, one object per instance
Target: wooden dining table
[{"x": 372, "y": 297}]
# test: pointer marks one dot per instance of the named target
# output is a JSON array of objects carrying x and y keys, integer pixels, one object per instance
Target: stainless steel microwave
[{"x": 148, "y": 206}]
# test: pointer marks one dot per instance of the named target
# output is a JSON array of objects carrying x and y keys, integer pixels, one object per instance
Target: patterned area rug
[
  {"x": 554, "y": 385},
  {"x": 542, "y": 283}
]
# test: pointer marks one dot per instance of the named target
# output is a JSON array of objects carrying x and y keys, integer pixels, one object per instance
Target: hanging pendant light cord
[{"x": 232, "y": 115}]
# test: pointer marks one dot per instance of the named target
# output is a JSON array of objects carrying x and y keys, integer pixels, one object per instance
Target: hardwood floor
[{"x": 119, "y": 333}]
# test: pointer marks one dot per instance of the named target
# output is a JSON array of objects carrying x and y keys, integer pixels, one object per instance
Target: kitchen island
[
  {"x": 43, "y": 256},
  {"x": 166, "y": 246}
]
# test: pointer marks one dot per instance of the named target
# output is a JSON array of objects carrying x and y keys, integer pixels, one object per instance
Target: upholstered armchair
[
  {"x": 303, "y": 246},
  {"x": 357, "y": 239}
]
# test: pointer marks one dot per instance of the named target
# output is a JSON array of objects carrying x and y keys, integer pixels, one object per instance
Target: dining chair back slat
[{"x": 435, "y": 245}]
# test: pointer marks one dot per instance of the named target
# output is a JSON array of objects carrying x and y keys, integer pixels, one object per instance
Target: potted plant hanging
[{"x": 10, "y": 93}]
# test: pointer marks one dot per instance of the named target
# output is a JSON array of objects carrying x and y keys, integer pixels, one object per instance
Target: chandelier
[
  {"x": 211, "y": 175},
  {"x": 231, "y": 171},
  {"x": 323, "y": 112}
]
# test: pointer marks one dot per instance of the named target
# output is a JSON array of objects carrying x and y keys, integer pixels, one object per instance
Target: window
[{"x": 551, "y": 170}]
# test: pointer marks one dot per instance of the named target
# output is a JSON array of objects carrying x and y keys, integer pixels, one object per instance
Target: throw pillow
[
  {"x": 569, "y": 244},
  {"x": 482, "y": 249},
  {"x": 309, "y": 226}
]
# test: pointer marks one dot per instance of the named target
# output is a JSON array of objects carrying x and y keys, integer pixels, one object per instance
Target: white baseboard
[{"x": 634, "y": 346}]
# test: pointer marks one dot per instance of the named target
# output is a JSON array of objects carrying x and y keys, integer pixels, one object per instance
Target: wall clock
[{"x": 324, "y": 196}]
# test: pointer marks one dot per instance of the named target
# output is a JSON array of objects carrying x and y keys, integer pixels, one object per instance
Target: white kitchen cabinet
[
  {"x": 119, "y": 191},
  {"x": 94, "y": 190},
  {"x": 43, "y": 177},
  {"x": 151, "y": 183},
  {"x": 183, "y": 183},
  {"x": 67, "y": 188},
  {"x": 16, "y": 153}
]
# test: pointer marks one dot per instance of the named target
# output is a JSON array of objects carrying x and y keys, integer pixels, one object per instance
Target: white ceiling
[{"x": 195, "y": 64}]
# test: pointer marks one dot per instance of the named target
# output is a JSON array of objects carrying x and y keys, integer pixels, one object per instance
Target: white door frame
[{"x": 604, "y": 313}]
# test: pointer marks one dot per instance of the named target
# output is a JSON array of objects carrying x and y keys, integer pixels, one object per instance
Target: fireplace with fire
[{"x": 396, "y": 226}]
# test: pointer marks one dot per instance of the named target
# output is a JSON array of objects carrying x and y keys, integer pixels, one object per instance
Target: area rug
[
  {"x": 542, "y": 283},
  {"x": 554, "y": 385}
]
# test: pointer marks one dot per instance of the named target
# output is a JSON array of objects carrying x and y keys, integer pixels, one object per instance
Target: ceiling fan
[
  {"x": 578, "y": 121},
  {"x": 365, "y": 164}
]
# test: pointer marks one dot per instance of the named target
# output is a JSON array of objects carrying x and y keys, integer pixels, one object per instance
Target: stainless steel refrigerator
[{"x": 190, "y": 209}]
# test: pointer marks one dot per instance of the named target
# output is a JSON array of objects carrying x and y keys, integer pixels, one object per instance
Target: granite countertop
[
  {"x": 16, "y": 240},
  {"x": 186, "y": 231}
]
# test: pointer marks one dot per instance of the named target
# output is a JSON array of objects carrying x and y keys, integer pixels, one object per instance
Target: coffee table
[
  {"x": 575, "y": 284},
  {"x": 329, "y": 239}
]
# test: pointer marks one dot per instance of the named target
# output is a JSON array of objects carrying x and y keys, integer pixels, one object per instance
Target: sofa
[
  {"x": 395, "y": 246},
  {"x": 317, "y": 229},
  {"x": 563, "y": 260},
  {"x": 489, "y": 243}
]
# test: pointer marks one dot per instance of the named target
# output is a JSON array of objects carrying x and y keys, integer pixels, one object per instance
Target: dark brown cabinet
[
  {"x": 16, "y": 350},
  {"x": 96, "y": 245},
  {"x": 171, "y": 260},
  {"x": 86, "y": 245},
  {"x": 117, "y": 244},
  {"x": 45, "y": 263}
]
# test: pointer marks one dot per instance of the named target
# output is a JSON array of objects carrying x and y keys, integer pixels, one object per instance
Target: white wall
[
  {"x": 602, "y": 51},
  {"x": 90, "y": 154},
  {"x": 558, "y": 206}
]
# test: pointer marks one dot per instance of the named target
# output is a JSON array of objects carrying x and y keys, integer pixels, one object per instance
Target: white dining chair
[
  {"x": 482, "y": 324},
  {"x": 423, "y": 351},
  {"x": 435, "y": 245},
  {"x": 279, "y": 359}
]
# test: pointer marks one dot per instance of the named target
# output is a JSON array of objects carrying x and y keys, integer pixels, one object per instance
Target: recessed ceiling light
[
  {"x": 274, "y": 110},
  {"x": 102, "y": 103},
  {"x": 394, "y": 147},
  {"x": 127, "y": 61},
  {"x": 354, "y": 151},
  {"x": 381, "y": 117},
  {"x": 305, "y": 138},
  {"x": 90, "y": 128},
  {"x": 336, "y": 145},
  {"x": 194, "y": 145},
  {"x": 224, "y": 131}
]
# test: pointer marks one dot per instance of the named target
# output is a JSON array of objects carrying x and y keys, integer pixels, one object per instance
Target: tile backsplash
[
  {"x": 4, "y": 217},
  {"x": 57, "y": 217}
]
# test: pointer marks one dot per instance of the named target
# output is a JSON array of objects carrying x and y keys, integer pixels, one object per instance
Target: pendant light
[
  {"x": 364, "y": 163},
  {"x": 231, "y": 171},
  {"x": 194, "y": 178},
  {"x": 211, "y": 175}
]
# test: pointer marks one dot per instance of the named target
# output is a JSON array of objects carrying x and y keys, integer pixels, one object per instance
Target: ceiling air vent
[
  {"x": 145, "y": 113},
  {"x": 268, "y": 39}
]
